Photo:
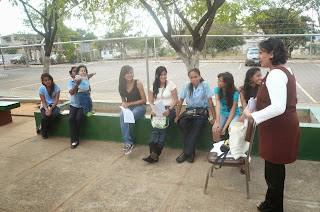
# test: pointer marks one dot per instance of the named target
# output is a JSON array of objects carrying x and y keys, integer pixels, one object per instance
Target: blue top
[
  {"x": 84, "y": 84},
  {"x": 49, "y": 100},
  {"x": 199, "y": 97},
  {"x": 224, "y": 107},
  {"x": 74, "y": 102}
]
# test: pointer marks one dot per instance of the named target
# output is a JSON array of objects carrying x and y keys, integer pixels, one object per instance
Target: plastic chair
[{"x": 231, "y": 162}]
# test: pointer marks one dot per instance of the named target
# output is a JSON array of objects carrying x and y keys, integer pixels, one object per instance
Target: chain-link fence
[{"x": 20, "y": 72}]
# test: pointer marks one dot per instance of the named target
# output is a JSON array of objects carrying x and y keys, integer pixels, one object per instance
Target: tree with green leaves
[
  {"x": 284, "y": 21},
  {"x": 184, "y": 17},
  {"x": 277, "y": 17},
  {"x": 46, "y": 18}
]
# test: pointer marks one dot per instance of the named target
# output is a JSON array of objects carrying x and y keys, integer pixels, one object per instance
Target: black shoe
[
  {"x": 39, "y": 129},
  {"x": 44, "y": 137},
  {"x": 74, "y": 144},
  {"x": 263, "y": 207},
  {"x": 190, "y": 158},
  {"x": 242, "y": 171},
  {"x": 181, "y": 158}
]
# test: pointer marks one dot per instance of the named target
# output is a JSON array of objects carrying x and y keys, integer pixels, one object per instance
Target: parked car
[
  {"x": 252, "y": 57},
  {"x": 18, "y": 60},
  {"x": 58, "y": 58}
]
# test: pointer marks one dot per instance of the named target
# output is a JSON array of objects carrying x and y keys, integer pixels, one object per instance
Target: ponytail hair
[{"x": 191, "y": 85}]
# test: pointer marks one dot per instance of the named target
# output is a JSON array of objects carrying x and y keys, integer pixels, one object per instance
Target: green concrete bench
[
  {"x": 5, "y": 111},
  {"x": 106, "y": 127}
]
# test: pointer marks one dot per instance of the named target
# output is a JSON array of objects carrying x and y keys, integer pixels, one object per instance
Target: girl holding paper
[
  {"x": 133, "y": 98},
  {"x": 250, "y": 87},
  {"x": 165, "y": 91}
]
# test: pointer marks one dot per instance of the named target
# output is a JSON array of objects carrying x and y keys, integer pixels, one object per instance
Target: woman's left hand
[
  {"x": 48, "y": 112},
  {"x": 247, "y": 113},
  {"x": 166, "y": 113},
  {"x": 212, "y": 121}
]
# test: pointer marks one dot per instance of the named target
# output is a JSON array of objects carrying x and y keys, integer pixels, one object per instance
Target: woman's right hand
[
  {"x": 153, "y": 114},
  {"x": 176, "y": 120},
  {"x": 216, "y": 127}
]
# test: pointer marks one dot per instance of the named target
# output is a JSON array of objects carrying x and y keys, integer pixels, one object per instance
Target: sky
[{"x": 11, "y": 21}]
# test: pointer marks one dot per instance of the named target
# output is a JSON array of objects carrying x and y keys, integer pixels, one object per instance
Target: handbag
[
  {"x": 159, "y": 122},
  {"x": 224, "y": 148},
  {"x": 238, "y": 145},
  {"x": 194, "y": 112}
]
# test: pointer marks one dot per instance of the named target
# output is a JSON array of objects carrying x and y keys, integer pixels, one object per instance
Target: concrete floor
[{"x": 46, "y": 175}]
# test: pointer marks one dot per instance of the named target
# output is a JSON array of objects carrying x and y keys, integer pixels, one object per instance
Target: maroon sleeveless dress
[{"x": 279, "y": 137}]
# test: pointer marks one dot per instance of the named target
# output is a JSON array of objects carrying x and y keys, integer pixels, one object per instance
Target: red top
[{"x": 279, "y": 137}]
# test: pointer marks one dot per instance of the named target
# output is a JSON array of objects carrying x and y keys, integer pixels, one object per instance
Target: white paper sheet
[
  {"x": 252, "y": 105},
  {"x": 127, "y": 115},
  {"x": 65, "y": 112},
  {"x": 158, "y": 108}
]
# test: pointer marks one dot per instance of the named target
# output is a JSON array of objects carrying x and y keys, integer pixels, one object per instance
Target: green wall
[{"x": 106, "y": 127}]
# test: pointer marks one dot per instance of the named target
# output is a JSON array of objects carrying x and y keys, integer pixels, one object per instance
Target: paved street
[{"x": 25, "y": 82}]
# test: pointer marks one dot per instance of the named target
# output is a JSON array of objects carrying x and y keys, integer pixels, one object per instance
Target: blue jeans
[
  {"x": 85, "y": 101},
  {"x": 224, "y": 118},
  {"x": 138, "y": 112},
  {"x": 159, "y": 135}
]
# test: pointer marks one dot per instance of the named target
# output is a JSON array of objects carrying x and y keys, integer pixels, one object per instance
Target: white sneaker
[{"x": 129, "y": 148}]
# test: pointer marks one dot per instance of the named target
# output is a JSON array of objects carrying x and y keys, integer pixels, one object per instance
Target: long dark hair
[
  {"x": 247, "y": 88},
  {"x": 156, "y": 83},
  {"x": 52, "y": 84},
  {"x": 191, "y": 85},
  {"x": 230, "y": 88},
  {"x": 79, "y": 67},
  {"x": 122, "y": 81},
  {"x": 280, "y": 54}
]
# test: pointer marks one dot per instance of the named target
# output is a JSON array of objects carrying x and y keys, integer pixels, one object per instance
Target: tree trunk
[
  {"x": 46, "y": 64},
  {"x": 27, "y": 57},
  {"x": 192, "y": 62}
]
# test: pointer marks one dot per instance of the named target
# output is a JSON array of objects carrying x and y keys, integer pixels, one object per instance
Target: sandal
[{"x": 262, "y": 207}]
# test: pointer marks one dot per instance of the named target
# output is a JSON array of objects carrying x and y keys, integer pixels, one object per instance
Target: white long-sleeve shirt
[{"x": 277, "y": 87}]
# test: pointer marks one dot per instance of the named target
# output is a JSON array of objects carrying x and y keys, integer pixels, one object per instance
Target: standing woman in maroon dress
[{"x": 277, "y": 119}]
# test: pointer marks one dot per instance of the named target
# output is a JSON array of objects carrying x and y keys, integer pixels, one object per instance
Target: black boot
[{"x": 153, "y": 157}]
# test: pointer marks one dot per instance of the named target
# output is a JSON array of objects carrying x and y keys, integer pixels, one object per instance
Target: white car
[
  {"x": 252, "y": 57},
  {"x": 55, "y": 58}
]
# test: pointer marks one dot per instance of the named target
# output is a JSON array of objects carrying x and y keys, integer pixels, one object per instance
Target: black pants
[
  {"x": 275, "y": 175},
  {"x": 190, "y": 128},
  {"x": 75, "y": 119},
  {"x": 46, "y": 121}
]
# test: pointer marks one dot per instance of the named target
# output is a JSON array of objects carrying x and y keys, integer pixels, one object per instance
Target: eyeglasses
[{"x": 220, "y": 80}]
